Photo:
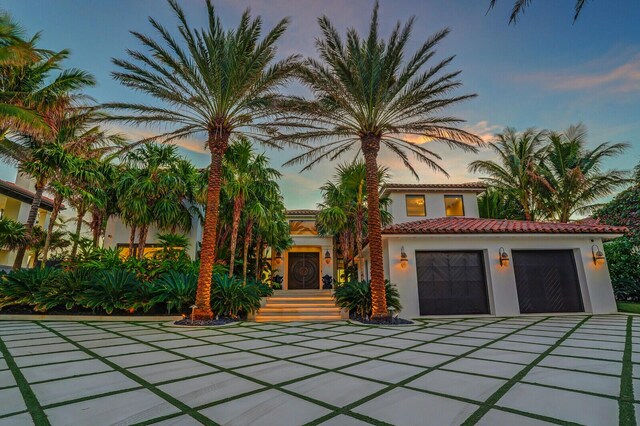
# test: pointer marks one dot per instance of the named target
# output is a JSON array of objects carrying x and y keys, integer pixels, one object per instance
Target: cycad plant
[
  {"x": 371, "y": 94},
  {"x": 211, "y": 83}
]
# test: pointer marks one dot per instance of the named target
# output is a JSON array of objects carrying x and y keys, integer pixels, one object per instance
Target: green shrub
[
  {"x": 64, "y": 291},
  {"x": 231, "y": 297},
  {"x": 263, "y": 289},
  {"x": 141, "y": 296},
  {"x": 356, "y": 297},
  {"x": 21, "y": 287},
  {"x": 110, "y": 291},
  {"x": 176, "y": 289},
  {"x": 623, "y": 260}
]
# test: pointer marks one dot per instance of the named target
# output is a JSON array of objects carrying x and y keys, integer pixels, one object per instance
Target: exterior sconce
[
  {"x": 327, "y": 257},
  {"x": 598, "y": 256},
  {"x": 504, "y": 257},
  {"x": 404, "y": 260},
  {"x": 278, "y": 257}
]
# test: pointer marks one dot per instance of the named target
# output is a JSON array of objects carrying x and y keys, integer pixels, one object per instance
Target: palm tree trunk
[
  {"x": 235, "y": 224},
  {"x": 247, "y": 242},
  {"x": 96, "y": 226},
  {"x": 31, "y": 220},
  {"x": 218, "y": 142},
  {"x": 359, "y": 220},
  {"x": 57, "y": 204},
  {"x": 76, "y": 240},
  {"x": 370, "y": 148},
  {"x": 132, "y": 240},
  {"x": 142, "y": 240},
  {"x": 258, "y": 257}
]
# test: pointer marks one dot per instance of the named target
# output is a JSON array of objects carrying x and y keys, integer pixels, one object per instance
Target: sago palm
[
  {"x": 371, "y": 94},
  {"x": 516, "y": 171},
  {"x": 211, "y": 83},
  {"x": 574, "y": 179}
]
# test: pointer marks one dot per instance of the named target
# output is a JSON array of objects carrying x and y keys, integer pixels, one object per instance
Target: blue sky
[{"x": 545, "y": 72}]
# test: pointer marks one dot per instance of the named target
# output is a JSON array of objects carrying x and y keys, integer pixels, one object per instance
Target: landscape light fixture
[
  {"x": 504, "y": 257},
  {"x": 278, "y": 257},
  {"x": 598, "y": 256},
  {"x": 327, "y": 257},
  {"x": 404, "y": 260}
]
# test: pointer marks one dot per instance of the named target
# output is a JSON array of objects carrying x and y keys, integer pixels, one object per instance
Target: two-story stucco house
[{"x": 446, "y": 260}]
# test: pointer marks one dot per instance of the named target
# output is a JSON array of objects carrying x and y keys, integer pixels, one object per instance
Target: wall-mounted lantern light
[
  {"x": 504, "y": 257},
  {"x": 327, "y": 257},
  {"x": 404, "y": 260},
  {"x": 278, "y": 257},
  {"x": 598, "y": 256}
]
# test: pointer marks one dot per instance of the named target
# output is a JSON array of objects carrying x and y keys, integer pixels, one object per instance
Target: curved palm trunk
[
  {"x": 132, "y": 240},
  {"x": 31, "y": 220},
  {"x": 370, "y": 148},
  {"x": 142, "y": 242},
  {"x": 247, "y": 243},
  {"x": 217, "y": 145},
  {"x": 74, "y": 250},
  {"x": 235, "y": 224},
  {"x": 258, "y": 257},
  {"x": 57, "y": 204},
  {"x": 359, "y": 220}
]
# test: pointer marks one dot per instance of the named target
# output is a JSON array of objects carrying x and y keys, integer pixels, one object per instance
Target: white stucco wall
[
  {"x": 434, "y": 205},
  {"x": 595, "y": 283},
  {"x": 118, "y": 233}
]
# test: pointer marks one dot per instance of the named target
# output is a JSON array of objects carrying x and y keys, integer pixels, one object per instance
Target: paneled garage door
[
  {"x": 451, "y": 282},
  {"x": 547, "y": 281}
]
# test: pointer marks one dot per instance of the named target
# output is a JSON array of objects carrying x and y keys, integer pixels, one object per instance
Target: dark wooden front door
[
  {"x": 304, "y": 271},
  {"x": 547, "y": 281},
  {"x": 451, "y": 283}
]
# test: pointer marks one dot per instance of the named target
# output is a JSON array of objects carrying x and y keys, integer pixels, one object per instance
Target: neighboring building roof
[
  {"x": 468, "y": 225},
  {"x": 12, "y": 190},
  {"x": 302, "y": 212},
  {"x": 466, "y": 187}
]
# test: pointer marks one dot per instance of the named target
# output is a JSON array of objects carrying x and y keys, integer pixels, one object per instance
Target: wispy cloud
[
  {"x": 613, "y": 75},
  {"x": 135, "y": 134}
]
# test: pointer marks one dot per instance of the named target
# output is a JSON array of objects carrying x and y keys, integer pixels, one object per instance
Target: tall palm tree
[
  {"x": 519, "y": 6},
  {"x": 211, "y": 82},
  {"x": 246, "y": 176},
  {"x": 343, "y": 211},
  {"x": 152, "y": 190},
  {"x": 33, "y": 87},
  {"x": 16, "y": 52},
  {"x": 574, "y": 178},
  {"x": 516, "y": 172},
  {"x": 369, "y": 95}
]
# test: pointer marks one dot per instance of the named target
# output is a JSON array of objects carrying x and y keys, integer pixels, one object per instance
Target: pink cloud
[{"x": 618, "y": 76}]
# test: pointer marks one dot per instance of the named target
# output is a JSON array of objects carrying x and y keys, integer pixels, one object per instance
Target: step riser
[{"x": 299, "y": 305}]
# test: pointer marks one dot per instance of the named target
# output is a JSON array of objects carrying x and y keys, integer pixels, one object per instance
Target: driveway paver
[{"x": 526, "y": 370}]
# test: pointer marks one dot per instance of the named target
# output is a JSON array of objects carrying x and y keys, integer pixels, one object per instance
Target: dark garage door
[
  {"x": 547, "y": 281},
  {"x": 451, "y": 283}
]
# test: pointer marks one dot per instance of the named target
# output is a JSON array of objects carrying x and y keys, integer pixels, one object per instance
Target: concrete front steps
[{"x": 299, "y": 305}]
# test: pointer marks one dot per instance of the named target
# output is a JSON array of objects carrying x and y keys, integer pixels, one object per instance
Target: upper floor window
[
  {"x": 302, "y": 227},
  {"x": 454, "y": 205},
  {"x": 416, "y": 205}
]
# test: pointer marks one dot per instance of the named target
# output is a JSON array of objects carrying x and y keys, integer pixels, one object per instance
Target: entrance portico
[{"x": 309, "y": 259}]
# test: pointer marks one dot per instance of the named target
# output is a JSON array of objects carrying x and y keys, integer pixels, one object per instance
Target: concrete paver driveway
[{"x": 489, "y": 371}]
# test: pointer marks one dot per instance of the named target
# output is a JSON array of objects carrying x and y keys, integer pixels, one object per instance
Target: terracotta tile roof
[
  {"x": 10, "y": 189},
  {"x": 465, "y": 186},
  {"x": 468, "y": 225},
  {"x": 302, "y": 212}
]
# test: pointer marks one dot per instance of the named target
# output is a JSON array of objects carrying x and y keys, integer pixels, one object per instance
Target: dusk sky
[{"x": 544, "y": 72}]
